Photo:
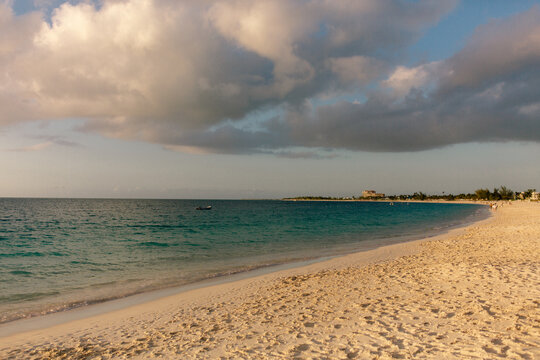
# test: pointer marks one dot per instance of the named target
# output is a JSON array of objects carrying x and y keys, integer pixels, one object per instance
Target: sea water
[{"x": 57, "y": 254}]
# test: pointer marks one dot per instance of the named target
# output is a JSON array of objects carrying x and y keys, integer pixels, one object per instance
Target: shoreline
[
  {"x": 394, "y": 301},
  {"x": 42, "y": 322},
  {"x": 390, "y": 251},
  {"x": 81, "y": 311},
  {"x": 442, "y": 201}
]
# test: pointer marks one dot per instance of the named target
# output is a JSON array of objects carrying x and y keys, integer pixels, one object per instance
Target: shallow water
[{"x": 62, "y": 253}]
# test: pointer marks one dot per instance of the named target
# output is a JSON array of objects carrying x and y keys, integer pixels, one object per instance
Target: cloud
[
  {"x": 195, "y": 75},
  {"x": 489, "y": 91},
  {"x": 356, "y": 71},
  {"x": 403, "y": 79},
  {"x": 499, "y": 50},
  {"x": 189, "y": 64},
  {"x": 49, "y": 141},
  {"x": 248, "y": 23},
  {"x": 303, "y": 155},
  {"x": 31, "y": 148},
  {"x": 58, "y": 140}
]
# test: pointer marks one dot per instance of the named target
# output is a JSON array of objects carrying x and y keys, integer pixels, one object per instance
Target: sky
[{"x": 267, "y": 99}]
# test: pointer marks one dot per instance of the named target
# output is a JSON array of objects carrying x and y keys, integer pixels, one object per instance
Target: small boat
[
  {"x": 203, "y": 208},
  {"x": 391, "y": 204}
]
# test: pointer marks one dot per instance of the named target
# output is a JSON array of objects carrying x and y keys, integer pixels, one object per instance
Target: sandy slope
[{"x": 474, "y": 293}]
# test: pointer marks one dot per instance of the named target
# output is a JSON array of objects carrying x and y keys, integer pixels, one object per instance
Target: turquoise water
[{"x": 57, "y": 254}]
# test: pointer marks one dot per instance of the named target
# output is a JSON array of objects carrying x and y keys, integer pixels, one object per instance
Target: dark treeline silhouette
[{"x": 500, "y": 193}]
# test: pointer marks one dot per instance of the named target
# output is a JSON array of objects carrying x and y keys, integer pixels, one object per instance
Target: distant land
[{"x": 501, "y": 193}]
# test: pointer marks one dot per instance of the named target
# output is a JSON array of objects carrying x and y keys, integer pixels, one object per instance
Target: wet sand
[{"x": 472, "y": 293}]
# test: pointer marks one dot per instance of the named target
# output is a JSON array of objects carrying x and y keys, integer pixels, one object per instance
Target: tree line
[{"x": 500, "y": 193}]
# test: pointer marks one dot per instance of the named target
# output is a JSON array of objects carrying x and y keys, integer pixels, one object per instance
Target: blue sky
[
  {"x": 451, "y": 33},
  {"x": 278, "y": 114}
]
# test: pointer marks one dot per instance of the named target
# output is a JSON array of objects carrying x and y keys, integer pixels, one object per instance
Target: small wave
[
  {"x": 26, "y": 296},
  {"x": 153, "y": 243},
  {"x": 83, "y": 262},
  {"x": 101, "y": 284},
  {"x": 22, "y": 254},
  {"x": 20, "y": 272},
  {"x": 56, "y": 253},
  {"x": 153, "y": 226},
  {"x": 194, "y": 244}
]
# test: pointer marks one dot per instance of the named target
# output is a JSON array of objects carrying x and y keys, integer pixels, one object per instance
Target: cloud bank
[{"x": 198, "y": 75}]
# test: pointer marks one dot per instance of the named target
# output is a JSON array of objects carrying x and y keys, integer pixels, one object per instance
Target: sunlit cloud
[{"x": 190, "y": 75}]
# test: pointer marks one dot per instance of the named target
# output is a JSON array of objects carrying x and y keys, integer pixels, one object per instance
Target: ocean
[{"x": 58, "y": 254}]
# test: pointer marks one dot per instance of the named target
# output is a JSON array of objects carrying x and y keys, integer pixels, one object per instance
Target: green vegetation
[
  {"x": 500, "y": 193},
  {"x": 419, "y": 196},
  {"x": 528, "y": 193},
  {"x": 322, "y": 198}
]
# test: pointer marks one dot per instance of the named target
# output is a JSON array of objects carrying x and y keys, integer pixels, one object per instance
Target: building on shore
[
  {"x": 535, "y": 196},
  {"x": 372, "y": 194}
]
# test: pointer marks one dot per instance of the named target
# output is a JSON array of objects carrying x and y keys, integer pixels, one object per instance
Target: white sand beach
[{"x": 473, "y": 293}]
